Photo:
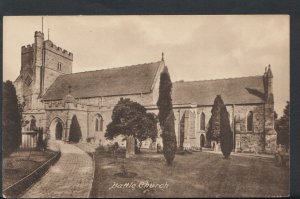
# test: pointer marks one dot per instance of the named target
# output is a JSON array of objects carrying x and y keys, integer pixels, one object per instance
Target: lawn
[
  {"x": 19, "y": 164},
  {"x": 200, "y": 174}
]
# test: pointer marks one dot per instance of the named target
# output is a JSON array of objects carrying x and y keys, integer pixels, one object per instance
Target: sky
[{"x": 196, "y": 47}]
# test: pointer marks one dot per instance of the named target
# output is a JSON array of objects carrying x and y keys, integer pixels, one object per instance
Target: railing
[{"x": 18, "y": 188}]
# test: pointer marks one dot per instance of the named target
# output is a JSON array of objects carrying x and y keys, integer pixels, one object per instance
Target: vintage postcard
[{"x": 146, "y": 106}]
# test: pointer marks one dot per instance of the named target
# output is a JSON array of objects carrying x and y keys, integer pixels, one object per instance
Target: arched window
[
  {"x": 250, "y": 121},
  {"x": 202, "y": 121},
  {"x": 101, "y": 124},
  {"x": 98, "y": 123}
]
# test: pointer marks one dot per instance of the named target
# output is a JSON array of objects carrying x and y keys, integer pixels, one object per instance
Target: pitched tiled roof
[
  {"x": 242, "y": 90},
  {"x": 108, "y": 82}
]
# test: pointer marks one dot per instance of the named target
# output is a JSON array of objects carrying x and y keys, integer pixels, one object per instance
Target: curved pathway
[{"x": 71, "y": 176}]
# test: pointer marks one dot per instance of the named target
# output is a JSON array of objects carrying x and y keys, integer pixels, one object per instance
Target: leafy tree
[
  {"x": 130, "y": 118},
  {"x": 166, "y": 116},
  {"x": 226, "y": 137},
  {"x": 11, "y": 121},
  {"x": 282, "y": 126}
]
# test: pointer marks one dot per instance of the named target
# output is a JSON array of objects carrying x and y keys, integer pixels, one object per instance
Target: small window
[
  {"x": 250, "y": 121},
  {"x": 59, "y": 66},
  {"x": 98, "y": 123}
]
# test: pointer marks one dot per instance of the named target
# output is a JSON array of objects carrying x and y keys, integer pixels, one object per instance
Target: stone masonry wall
[{"x": 249, "y": 141}]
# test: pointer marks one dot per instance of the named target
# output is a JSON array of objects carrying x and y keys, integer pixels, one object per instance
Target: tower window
[
  {"x": 59, "y": 66},
  {"x": 28, "y": 80}
]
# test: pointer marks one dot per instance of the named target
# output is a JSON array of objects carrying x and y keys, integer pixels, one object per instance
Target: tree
[
  {"x": 213, "y": 132},
  {"x": 11, "y": 122},
  {"x": 131, "y": 119},
  {"x": 219, "y": 127},
  {"x": 75, "y": 130},
  {"x": 282, "y": 126},
  {"x": 226, "y": 137},
  {"x": 166, "y": 116}
]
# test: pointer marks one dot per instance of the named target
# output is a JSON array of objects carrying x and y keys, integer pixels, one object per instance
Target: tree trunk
[{"x": 130, "y": 146}]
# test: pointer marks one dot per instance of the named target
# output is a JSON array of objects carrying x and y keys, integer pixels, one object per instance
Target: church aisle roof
[
  {"x": 107, "y": 82},
  {"x": 243, "y": 90}
]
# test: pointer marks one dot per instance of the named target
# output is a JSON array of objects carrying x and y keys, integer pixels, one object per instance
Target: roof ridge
[
  {"x": 229, "y": 78},
  {"x": 113, "y": 68}
]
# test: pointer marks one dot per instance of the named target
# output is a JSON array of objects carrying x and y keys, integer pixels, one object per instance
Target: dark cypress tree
[
  {"x": 213, "y": 133},
  {"x": 226, "y": 137},
  {"x": 166, "y": 117},
  {"x": 11, "y": 122},
  {"x": 75, "y": 130},
  {"x": 219, "y": 127}
]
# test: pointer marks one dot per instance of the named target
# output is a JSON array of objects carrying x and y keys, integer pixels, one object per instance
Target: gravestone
[{"x": 130, "y": 146}]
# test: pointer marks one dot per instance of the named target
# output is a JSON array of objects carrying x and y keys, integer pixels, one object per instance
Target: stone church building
[{"x": 55, "y": 99}]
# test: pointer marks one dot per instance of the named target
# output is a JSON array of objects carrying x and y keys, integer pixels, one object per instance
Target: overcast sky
[{"x": 195, "y": 47}]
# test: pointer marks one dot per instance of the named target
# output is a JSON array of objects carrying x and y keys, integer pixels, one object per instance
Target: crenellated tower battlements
[
  {"x": 57, "y": 50},
  {"x": 27, "y": 49}
]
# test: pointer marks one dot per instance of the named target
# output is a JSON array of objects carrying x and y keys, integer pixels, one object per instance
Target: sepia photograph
[{"x": 146, "y": 106}]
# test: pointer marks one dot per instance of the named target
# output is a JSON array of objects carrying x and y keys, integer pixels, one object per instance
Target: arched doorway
[
  {"x": 202, "y": 140},
  {"x": 75, "y": 130},
  {"x": 56, "y": 129}
]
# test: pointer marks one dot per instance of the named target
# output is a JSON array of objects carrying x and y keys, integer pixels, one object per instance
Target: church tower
[{"x": 41, "y": 63}]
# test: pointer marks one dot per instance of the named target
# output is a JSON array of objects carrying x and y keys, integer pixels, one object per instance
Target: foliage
[
  {"x": 213, "y": 132},
  {"x": 282, "y": 126},
  {"x": 75, "y": 130},
  {"x": 219, "y": 127},
  {"x": 11, "y": 122},
  {"x": 169, "y": 139},
  {"x": 130, "y": 118},
  {"x": 42, "y": 143},
  {"x": 164, "y": 102},
  {"x": 226, "y": 137},
  {"x": 166, "y": 117}
]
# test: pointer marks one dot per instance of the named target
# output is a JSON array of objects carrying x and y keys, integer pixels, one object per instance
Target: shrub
[{"x": 11, "y": 122}]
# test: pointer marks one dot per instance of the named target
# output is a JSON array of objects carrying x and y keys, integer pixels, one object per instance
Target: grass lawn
[
  {"x": 200, "y": 174},
  {"x": 17, "y": 165}
]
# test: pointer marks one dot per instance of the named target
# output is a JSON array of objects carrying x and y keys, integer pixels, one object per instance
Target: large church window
[
  {"x": 202, "y": 121},
  {"x": 250, "y": 121}
]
